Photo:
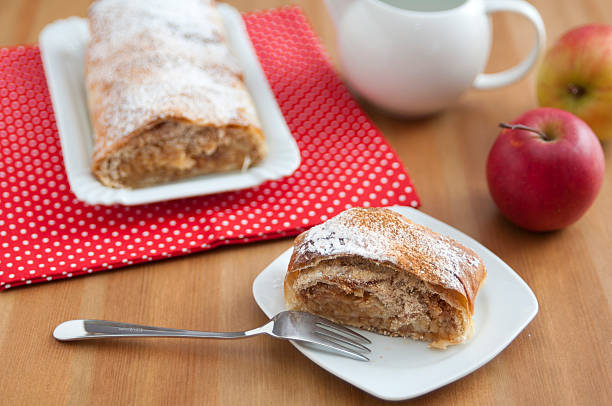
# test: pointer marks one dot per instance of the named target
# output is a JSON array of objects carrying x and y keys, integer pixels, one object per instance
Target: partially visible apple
[
  {"x": 576, "y": 75},
  {"x": 545, "y": 169}
]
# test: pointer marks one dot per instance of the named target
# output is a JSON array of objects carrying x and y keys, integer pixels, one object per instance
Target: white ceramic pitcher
[{"x": 416, "y": 57}]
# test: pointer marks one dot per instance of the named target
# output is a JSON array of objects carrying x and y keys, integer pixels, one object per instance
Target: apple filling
[
  {"x": 382, "y": 300},
  {"x": 174, "y": 149}
]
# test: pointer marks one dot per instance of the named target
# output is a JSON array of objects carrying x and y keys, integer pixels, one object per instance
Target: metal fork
[{"x": 290, "y": 325}]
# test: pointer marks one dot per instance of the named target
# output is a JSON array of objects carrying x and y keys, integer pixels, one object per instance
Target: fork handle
[{"x": 89, "y": 329}]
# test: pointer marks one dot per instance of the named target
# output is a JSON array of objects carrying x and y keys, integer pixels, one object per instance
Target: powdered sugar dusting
[
  {"x": 149, "y": 60},
  {"x": 341, "y": 236},
  {"x": 385, "y": 236}
]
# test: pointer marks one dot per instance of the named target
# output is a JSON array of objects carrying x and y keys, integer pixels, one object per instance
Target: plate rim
[
  {"x": 282, "y": 159},
  {"x": 531, "y": 307}
]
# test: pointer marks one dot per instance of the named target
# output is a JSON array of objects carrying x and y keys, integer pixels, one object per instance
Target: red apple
[
  {"x": 545, "y": 169},
  {"x": 576, "y": 75}
]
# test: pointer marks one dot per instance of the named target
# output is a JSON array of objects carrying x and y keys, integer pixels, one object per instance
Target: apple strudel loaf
[
  {"x": 374, "y": 269},
  {"x": 166, "y": 97}
]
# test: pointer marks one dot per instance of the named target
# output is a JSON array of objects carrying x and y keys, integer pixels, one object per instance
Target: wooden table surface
[{"x": 563, "y": 357}]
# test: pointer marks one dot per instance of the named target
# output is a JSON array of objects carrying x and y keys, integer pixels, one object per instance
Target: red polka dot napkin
[{"x": 46, "y": 234}]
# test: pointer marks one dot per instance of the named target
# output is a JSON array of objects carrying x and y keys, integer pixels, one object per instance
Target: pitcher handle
[{"x": 506, "y": 77}]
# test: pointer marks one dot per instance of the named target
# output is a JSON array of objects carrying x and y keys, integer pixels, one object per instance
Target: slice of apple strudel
[
  {"x": 166, "y": 97},
  {"x": 374, "y": 269}
]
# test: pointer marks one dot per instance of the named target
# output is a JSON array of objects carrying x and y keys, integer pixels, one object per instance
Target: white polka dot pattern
[{"x": 46, "y": 234}]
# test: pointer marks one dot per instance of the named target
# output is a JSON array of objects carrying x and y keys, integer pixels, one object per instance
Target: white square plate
[
  {"x": 402, "y": 368},
  {"x": 62, "y": 46}
]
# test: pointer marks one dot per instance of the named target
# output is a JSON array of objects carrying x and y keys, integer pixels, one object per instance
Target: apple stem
[
  {"x": 526, "y": 128},
  {"x": 575, "y": 90}
]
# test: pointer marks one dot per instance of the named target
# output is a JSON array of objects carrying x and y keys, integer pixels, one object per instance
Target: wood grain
[{"x": 563, "y": 357}]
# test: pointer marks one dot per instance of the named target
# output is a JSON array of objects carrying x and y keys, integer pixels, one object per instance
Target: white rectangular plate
[
  {"x": 402, "y": 368},
  {"x": 63, "y": 44}
]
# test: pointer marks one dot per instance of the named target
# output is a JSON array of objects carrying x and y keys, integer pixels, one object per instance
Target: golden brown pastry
[
  {"x": 166, "y": 97},
  {"x": 374, "y": 269}
]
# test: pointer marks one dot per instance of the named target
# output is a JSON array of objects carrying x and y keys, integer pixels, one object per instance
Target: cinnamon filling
[
  {"x": 173, "y": 150},
  {"x": 380, "y": 300}
]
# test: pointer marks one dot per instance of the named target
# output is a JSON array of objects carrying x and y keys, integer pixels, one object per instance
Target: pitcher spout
[{"x": 337, "y": 8}]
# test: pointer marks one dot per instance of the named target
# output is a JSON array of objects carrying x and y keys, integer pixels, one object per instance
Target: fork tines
[{"x": 341, "y": 339}]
